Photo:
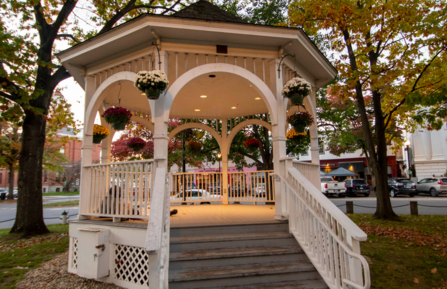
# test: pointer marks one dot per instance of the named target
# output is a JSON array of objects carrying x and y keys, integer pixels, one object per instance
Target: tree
[
  {"x": 72, "y": 174},
  {"x": 266, "y": 12},
  {"x": 29, "y": 74},
  {"x": 9, "y": 152},
  {"x": 390, "y": 51}
]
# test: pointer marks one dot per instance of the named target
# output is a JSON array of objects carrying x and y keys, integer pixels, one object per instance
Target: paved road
[
  {"x": 439, "y": 205},
  {"x": 8, "y": 211}
]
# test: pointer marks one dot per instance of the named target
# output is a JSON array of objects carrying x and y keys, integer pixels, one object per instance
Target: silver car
[{"x": 432, "y": 186}]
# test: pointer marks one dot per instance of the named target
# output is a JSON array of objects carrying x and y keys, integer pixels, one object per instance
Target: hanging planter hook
[{"x": 279, "y": 65}]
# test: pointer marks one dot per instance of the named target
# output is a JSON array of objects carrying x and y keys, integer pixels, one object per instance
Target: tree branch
[
  {"x": 413, "y": 88},
  {"x": 60, "y": 74},
  {"x": 67, "y": 36}
]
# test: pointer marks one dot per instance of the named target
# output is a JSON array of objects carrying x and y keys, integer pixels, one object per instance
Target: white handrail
[
  {"x": 119, "y": 190},
  {"x": 115, "y": 163},
  {"x": 336, "y": 213},
  {"x": 328, "y": 237}
]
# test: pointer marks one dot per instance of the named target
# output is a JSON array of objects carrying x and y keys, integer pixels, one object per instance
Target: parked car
[
  {"x": 237, "y": 191},
  {"x": 260, "y": 190},
  {"x": 3, "y": 194},
  {"x": 355, "y": 187},
  {"x": 432, "y": 186},
  {"x": 330, "y": 187},
  {"x": 16, "y": 194},
  {"x": 213, "y": 187},
  {"x": 400, "y": 186},
  {"x": 197, "y": 195}
]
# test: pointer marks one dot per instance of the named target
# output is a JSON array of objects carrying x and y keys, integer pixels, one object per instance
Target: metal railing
[
  {"x": 328, "y": 237},
  {"x": 119, "y": 189},
  {"x": 256, "y": 186}
]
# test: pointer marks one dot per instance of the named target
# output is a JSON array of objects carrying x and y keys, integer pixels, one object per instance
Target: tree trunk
[
  {"x": 29, "y": 217},
  {"x": 11, "y": 182}
]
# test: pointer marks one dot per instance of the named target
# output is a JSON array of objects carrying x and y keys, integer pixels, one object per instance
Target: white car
[
  {"x": 260, "y": 190},
  {"x": 196, "y": 196}
]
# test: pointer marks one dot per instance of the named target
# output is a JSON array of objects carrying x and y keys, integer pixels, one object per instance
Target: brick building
[{"x": 54, "y": 181}]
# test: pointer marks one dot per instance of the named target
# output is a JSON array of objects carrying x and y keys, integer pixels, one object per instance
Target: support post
[
  {"x": 349, "y": 207},
  {"x": 414, "y": 208},
  {"x": 314, "y": 145},
  {"x": 225, "y": 149},
  {"x": 278, "y": 137},
  {"x": 86, "y": 152}
]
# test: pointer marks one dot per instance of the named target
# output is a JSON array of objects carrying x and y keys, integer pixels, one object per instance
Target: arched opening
[
  {"x": 218, "y": 91},
  {"x": 196, "y": 186}
]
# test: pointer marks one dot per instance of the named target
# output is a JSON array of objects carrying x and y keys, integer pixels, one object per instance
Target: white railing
[
  {"x": 256, "y": 186},
  {"x": 158, "y": 232},
  {"x": 196, "y": 188},
  {"x": 310, "y": 171},
  {"x": 120, "y": 190},
  {"x": 328, "y": 237}
]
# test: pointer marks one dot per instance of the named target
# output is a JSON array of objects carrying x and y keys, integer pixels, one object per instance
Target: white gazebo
[{"x": 122, "y": 235}]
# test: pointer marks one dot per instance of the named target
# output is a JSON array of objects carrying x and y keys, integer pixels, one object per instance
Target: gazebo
[{"x": 223, "y": 73}]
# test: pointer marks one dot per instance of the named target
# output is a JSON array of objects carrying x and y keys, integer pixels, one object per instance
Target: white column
[
  {"x": 160, "y": 126},
  {"x": 86, "y": 150},
  {"x": 278, "y": 137},
  {"x": 225, "y": 149},
  {"x": 106, "y": 143},
  {"x": 314, "y": 146}
]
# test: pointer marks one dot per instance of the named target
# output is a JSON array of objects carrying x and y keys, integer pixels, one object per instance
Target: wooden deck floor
[
  {"x": 213, "y": 215},
  {"x": 203, "y": 215}
]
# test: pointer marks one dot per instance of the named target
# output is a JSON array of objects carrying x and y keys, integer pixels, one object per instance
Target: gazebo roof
[
  {"x": 204, "y": 10},
  {"x": 201, "y": 22}
]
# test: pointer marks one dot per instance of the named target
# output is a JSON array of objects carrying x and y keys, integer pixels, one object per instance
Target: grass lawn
[
  {"x": 60, "y": 194},
  {"x": 18, "y": 256},
  {"x": 63, "y": 204},
  {"x": 407, "y": 254}
]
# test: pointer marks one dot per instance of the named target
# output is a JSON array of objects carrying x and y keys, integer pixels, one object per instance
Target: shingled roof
[{"x": 204, "y": 10}]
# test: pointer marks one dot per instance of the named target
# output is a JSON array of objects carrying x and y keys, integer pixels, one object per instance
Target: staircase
[{"x": 239, "y": 256}]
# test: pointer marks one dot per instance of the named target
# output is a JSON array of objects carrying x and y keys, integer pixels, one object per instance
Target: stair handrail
[
  {"x": 158, "y": 231},
  {"x": 329, "y": 238}
]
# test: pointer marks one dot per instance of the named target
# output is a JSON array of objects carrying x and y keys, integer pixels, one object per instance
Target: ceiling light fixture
[
  {"x": 257, "y": 98},
  {"x": 196, "y": 109},
  {"x": 233, "y": 107},
  {"x": 203, "y": 96}
]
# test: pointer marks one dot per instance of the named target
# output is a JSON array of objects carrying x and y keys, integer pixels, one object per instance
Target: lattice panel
[
  {"x": 74, "y": 258},
  {"x": 131, "y": 264}
]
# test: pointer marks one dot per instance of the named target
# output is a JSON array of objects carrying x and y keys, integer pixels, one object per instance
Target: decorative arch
[
  {"x": 188, "y": 125},
  {"x": 143, "y": 121},
  {"x": 241, "y": 125},
  {"x": 263, "y": 90},
  {"x": 98, "y": 97}
]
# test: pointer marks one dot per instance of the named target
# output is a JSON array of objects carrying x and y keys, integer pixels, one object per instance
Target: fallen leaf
[
  {"x": 434, "y": 270},
  {"x": 416, "y": 280}
]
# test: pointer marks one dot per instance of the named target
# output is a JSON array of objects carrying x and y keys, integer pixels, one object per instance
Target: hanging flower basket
[
  {"x": 296, "y": 90},
  {"x": 296, "y": 137},
  {"x": 152, "y": 83},
  {"x": 194, "y": 146},
  {"x": 136, "y": 144},
  {"x": 118, "y": 117},
  {"x": 252, "y": 144},
  {"x": 100, "y": 132},
  {"x": 300, "y": 121}
]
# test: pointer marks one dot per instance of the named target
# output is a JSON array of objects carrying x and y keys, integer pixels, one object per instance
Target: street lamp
[
  {"x": 407, "y": 144},
  {"x": 219, "y": 155}
]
